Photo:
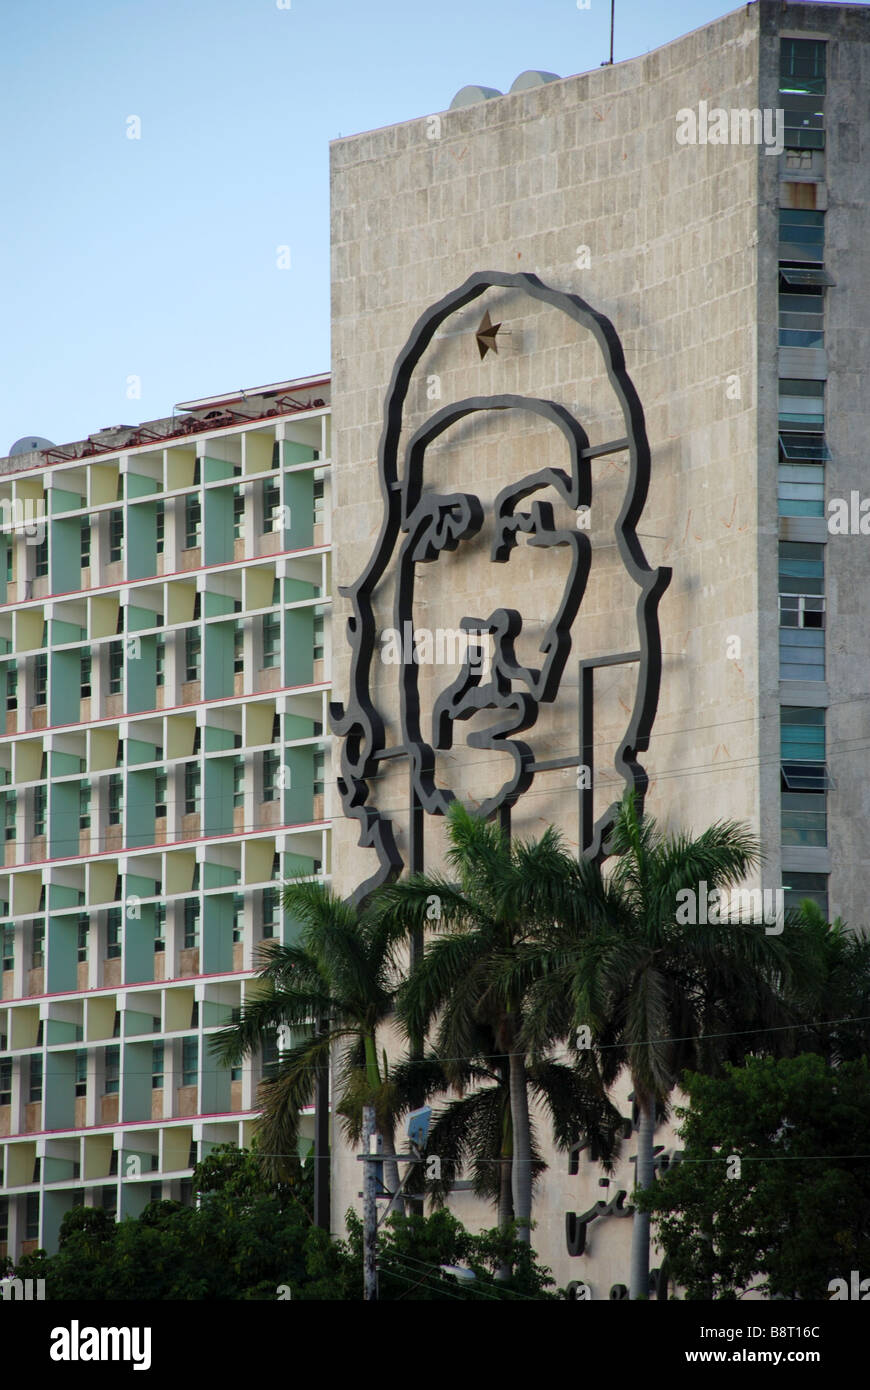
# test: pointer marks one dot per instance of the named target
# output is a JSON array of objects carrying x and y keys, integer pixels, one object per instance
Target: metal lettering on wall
[{"x": 417, "y": 527}]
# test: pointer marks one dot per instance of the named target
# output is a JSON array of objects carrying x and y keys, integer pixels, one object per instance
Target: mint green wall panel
[
  {"x": 57, "y": 1030},
  {"x": 295, "y": 590},
  {"x": 299, "y": 497},
  {"x": 137, "y": 1081},
  {"x": 141, "y": 674},
  {"x": 65, "y": 632},
  {"x": 299, "y": 796},
  {"x": 138, "y": 618},
  {"x": 140, "y": 486},
  {"x": 217, "y": 935},
  {"x": 136, "y": 1022},
  {"x": 138, "y": 751},
  {"x": 219, "y": 658},
  {"x": 139, "y": 945},
  {"x": 64, "y": 501},
  {"x": 297, "y": 726},
  {"x": 63, "y": 819},
  {"x": 298, "y": 646},
  {"x": 55, "y": 1206},
  {"x": 215, "y": 469},
  {"x": 64, "y": 681},
  {"x": 298, "y": 453},
  {"x": 65, "y": 555},
  {"x": 217, "y": 740},
  {"x": 219, "y": 875},
  {"x": 218, "y": 797},
  {"x": 140, "y": 541},
  {"x": 217, "y": 605},
  {"x": 60, "y": 1086},
  {"x": 139, "y": 807},
  {"x": 64, "y": 764},
  {"x": 60, "y": 895},
  {"x": 218, "y": 525}
]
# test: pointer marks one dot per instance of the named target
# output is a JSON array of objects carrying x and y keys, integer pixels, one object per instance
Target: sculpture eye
[{"x": 441, "y": 522}]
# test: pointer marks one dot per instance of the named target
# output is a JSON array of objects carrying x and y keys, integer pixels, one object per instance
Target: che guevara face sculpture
[{"x": 421, "y": 527}]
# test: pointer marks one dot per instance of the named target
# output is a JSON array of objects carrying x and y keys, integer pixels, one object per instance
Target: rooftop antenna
[{"x": 612, "y": 8}]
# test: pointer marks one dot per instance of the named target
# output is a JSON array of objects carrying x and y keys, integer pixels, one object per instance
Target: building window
[
  {"x": 801, "y": 235},
  {"x": 116, "y": 534},
  {"x": 269, "y": 1056},
  {"x": 271, "y": 763},
  {"x": 40, "y": 679},
  {"x": 41, "y": 558},
  {"x": 801, "y": 405},
  {"x": 116, "y": 798},
  {"x": 803, "y": 122},
  {"x": 801, "y": 489},
  {"x": 270, "y": 912},
  {"x": 37, "y": 946},
  {"x": 160, "y": 518},
  {"x": 238, "y": 782},
  {"x": 238, "y": 649},
  {"x": 192, "y": 653},
  {"x": 238, "y": 917},
  {"x": 191, "y": 788},
  {"x": 238, "y": 514},
  {"x": 318, "y": 637},
  {"x": 802, "y": 734},
  {"x": 85, "y": 676},
  {"x": 7, "y": 939},
  {"x": 10, "y": 810},
  {"x": 157, "y": 1053},
  {"x": 319, "y": 500},
  {"x": 113, "y": 933},
  {"x": 271, "y": 639},
  {"x": 802, "y": 66},
  {"x": 189, "y": 1061},
  {"x": 113, "y": 1071},
  {"x": 40, "y": 797},
  {"x": 802, "y": 317},
  {"x": 160, "y": 927},
  {"x": 160, "y": 661},
  {"x": 161, "y": 782},
  {"x": 319, "y": 764},
  {"x": 804, "y": 819},
  {"x": 6, "y": 1082},
  {"x": 801, "y": 599},
  {"x": 116, "y": 668},
  {"x": 192, "y": 910},
  {"x": 81, "y": 1072},
  {"x": 11, "y": 688},
  {"x": 800, "y": 886},
  {"x": 271, "y": 506},
  {"x": 31, "y": 1216},
  {"x": 83, "y": 931},
  {"x": 34, "y": 1092},
  {"x": 192, "y": 522},
  {"x": 85, "y": 542}
]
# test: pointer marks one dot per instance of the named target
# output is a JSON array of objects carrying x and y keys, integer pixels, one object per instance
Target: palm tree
[
  {"x": 474, "y": 976},
  {"x": 336, "y": 987},
  {"x": 659, "y": 996}
]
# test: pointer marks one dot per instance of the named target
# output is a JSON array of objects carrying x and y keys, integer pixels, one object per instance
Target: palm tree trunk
[
  {"x": 639, "y": 1279},
  {"x": 521, "y": 1167}
]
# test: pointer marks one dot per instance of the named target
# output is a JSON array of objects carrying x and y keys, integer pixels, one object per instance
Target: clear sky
[{"x": 157, "y": 257}]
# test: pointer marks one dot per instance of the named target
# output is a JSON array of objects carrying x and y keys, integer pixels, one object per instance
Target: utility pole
[{"x": 370, "y": 1208}]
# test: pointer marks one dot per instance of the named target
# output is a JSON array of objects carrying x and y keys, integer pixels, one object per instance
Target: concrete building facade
[
  {"x": 164, "y": 647},
  {"x": 710, "y": 200}
]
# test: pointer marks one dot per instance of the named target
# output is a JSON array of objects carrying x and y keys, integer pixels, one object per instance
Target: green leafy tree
[
  {"x": 796, "y": 1213},
  {"x": 472, "y": 985},
  {"x": 336, "y": 988},
  {"x": 656, "y": 995}
]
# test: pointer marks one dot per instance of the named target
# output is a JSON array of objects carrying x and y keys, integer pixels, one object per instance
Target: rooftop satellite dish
[
  {"x": 533, "y": 77},
  {"x": 27, "y": 443},
  {"x": 469, "y": 96}
]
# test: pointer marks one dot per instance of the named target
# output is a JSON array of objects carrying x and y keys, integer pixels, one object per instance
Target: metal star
[{"x": 486, "y": 335}]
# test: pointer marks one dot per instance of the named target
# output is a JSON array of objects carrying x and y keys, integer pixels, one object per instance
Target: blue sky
[{"x": 156, "y": 257}]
